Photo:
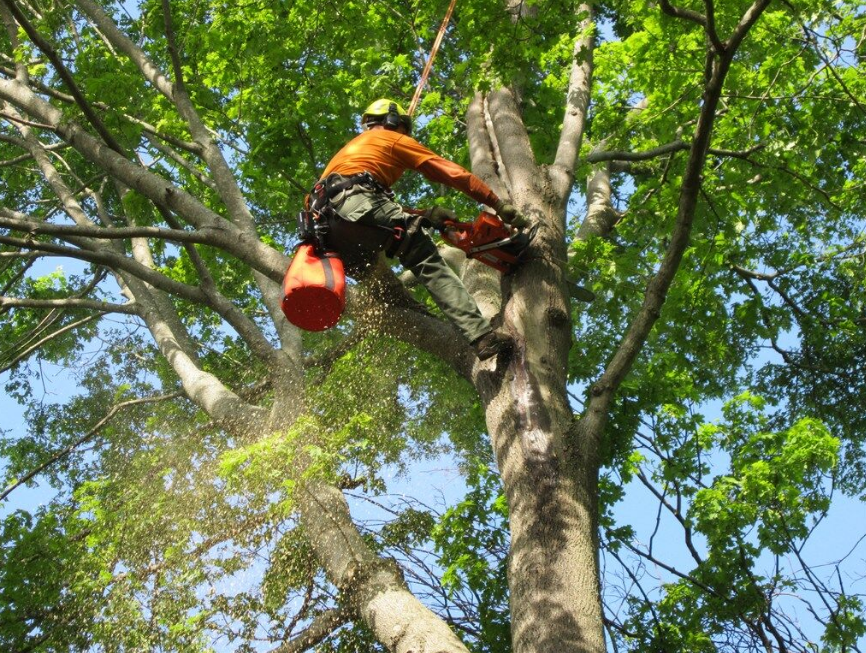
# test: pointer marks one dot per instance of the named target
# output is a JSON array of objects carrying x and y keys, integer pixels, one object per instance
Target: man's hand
[
  {"x": 437, "y": 215},
  {"x": 509, "y": 215}
]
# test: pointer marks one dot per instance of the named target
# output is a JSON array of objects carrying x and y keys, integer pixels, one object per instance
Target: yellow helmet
[{"x": 387, "y": 113}]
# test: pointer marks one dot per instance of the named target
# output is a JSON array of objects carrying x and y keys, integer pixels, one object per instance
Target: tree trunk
[{"x": 550, "y": 482}]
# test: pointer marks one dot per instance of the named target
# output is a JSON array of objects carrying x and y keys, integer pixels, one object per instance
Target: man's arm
[
  {"x": 442, "y": 171},
  {"x": 438, "y": 170}
]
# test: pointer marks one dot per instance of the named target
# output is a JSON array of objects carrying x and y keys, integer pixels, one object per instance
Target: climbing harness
[{"x": 351, "y": 240}]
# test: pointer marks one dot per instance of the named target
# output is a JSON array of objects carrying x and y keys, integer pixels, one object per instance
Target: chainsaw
[
  {"x": 492, "y": 242},
  {"x": 489, "y": 240}
]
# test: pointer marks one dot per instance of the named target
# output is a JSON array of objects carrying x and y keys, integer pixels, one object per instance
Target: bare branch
[
  {"x": 245, "y": 327},
  {"x": 69, "y": 302},
  {"x": 601, "y": 216},
  {"x": 367, "y": 581},
  {"x": 513, "y": 141},
  {"x": 746, "y": 23},
  {"x": 710, "y": 27},
  {"x": 661, "y": 150},
  {"x": 49, "y": 172},
  {"x": 576, "y": 105},
  {"x": 205, "y": 389},
  {"x": 482, "y": 152},
  {"x": 186, "y": 146},
  {"x": 114, "y": 261},
  {"x": 321, "y": 627},
  {"x": 7, "y": 138},
  {"x": 679, "y": 12},
  {"x": 204, "y": 294},
  {"x": 19, "y": 222},
  {"x": 673, "y": 570},
  {"x": 15, "y": 277}
]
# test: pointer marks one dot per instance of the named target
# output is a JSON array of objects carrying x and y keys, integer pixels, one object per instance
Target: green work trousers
[{"x": 420, "y": 255}]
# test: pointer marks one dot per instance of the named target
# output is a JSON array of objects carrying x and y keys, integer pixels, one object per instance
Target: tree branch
[
  {"x": 482, "y": 155},
  {"x": 245, "y": 327},
  {"x": 661, "y": 150},
  {"x": 513, "y": 141},
  {"x": 382, "y": 305},
  {"x": 576, "y": 105},
  {"x": 372, "y": 586},
  {"x": 603, "y": 390},
  {"x": 56, "y": 334},
  {"x": 60, "y": 455},
  {"x": 601, "y": 216},
  {"x": 810, "y": 38},
  {"x": 686, "y": 14},
  {"x": 225, "y": 181},
  {"x": 19, "y": 222},
  {"x": 243, "y": 244},
  {"x": 34, "y": 35},
  {"x": 69, "y": 302},
  {"x": 748, "y": 19},
  {"x": 175, "y": 156},
  {"x": 321, "y": 627},
  {"x": 116, "y": 262},
  {"x": 205, "y": 389},
  {"x": 710, "y": 27}
]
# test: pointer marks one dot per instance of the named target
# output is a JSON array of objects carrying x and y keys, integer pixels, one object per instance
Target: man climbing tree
[
  {"x": 356, "y": 185},
  {"x": 208, "y": 471}
]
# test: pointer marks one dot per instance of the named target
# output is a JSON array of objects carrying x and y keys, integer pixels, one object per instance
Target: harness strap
[
  {"x": 327, "y": 219},
  {"x": 333, "y": 185}
]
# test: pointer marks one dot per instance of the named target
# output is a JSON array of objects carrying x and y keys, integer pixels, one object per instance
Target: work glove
[
  {"x": 437, "y": 215},
  {"x": 509, "y": 215}
]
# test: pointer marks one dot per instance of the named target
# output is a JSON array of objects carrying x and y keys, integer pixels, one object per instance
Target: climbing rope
[{"x": 429, "y": 65}]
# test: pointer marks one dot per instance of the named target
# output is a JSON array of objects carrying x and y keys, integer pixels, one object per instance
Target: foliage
[{"x": 739, "y": 421}]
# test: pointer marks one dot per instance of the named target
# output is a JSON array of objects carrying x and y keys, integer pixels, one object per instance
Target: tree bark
[
  {"x": 552, "y": 568},
  {"x": 373, "y": 586}
]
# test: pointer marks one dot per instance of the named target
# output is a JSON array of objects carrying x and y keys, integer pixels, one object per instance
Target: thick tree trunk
[{"x": 550, "y": 483}]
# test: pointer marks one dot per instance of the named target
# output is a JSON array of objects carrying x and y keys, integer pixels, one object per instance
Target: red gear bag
[{"x": 314, "y": 289}]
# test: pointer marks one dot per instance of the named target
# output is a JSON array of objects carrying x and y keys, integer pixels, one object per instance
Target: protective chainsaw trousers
[{"x": 419, "y": 255}]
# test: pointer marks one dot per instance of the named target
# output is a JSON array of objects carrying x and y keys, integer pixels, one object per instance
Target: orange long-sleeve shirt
[{"x": 387, "y": 154}]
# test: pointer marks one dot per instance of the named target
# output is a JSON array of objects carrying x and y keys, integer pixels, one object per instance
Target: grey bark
[{"x": 375, "y": 587}]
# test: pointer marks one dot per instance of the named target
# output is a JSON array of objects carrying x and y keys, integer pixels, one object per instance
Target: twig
[{"x": 87, "y": 436}]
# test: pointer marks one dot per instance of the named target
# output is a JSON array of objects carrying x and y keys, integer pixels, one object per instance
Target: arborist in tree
[{"x": 356, "y": 185}]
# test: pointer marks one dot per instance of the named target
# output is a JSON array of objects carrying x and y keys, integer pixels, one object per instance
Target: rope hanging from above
[{"x": 429, "y": 65}]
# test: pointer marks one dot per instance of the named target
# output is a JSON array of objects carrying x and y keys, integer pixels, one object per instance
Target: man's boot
[{"x": 492, "y": 343}]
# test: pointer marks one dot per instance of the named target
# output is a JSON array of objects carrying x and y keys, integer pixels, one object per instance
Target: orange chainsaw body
[{"x": 488, "y": 240}]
